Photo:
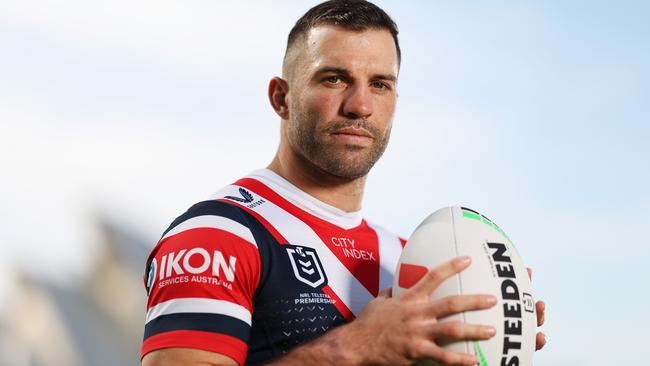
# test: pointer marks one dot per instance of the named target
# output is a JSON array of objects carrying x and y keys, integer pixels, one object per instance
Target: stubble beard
[{"x": 346, "y": 162}]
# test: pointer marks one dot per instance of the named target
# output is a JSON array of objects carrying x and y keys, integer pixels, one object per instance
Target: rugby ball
[{"x": 496, "y": 269}]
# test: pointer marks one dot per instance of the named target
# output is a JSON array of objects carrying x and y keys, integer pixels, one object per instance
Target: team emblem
[{"x": 306, "y": 265}]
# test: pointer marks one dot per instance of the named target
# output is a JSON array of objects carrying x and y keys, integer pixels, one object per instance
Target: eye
[
  {"x": 380, "y": 85},
  {"x": 334, "y": 79}
]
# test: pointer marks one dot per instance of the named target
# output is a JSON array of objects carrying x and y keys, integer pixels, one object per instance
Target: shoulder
[
  {"x": 208, "y": 225},
  {"x": 210, "y": 235},
  {"x": 200, "y": 281},
  {"x": 210, "y": 213}
]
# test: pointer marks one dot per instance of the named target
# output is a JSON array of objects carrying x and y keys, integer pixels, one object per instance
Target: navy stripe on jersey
[
  {"x": 216, "y": 323},
  {"x": 215, "y": 208},
  {"x": 262, "y": 235}
]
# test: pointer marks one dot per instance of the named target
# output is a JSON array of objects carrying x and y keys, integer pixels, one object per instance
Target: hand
[
  {"x": 400, "y": 330},
  {"x": 540, "y": 307}
]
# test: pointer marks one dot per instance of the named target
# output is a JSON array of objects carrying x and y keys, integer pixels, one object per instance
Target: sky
[{"x": 533, "y": 113}]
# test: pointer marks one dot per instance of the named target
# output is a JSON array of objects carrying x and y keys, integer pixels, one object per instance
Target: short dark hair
[{"x": 356, "y": 15}]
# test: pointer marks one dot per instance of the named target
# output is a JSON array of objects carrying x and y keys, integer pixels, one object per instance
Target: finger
[
  {"x": 460, "y": 331},
  {"x": 387, "y": 292},
  {"x": 530, "y": 273},
  {"x": 540, "y": 307},
  {"x": 427, "y": 284},
  {"x": 540, "y": 341},
  {"x": 456, "y": 304},
  {"x": 430, "y": 350}
]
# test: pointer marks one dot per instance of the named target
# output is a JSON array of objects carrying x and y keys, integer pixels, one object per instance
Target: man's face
[{"x": 341, "y": 100}]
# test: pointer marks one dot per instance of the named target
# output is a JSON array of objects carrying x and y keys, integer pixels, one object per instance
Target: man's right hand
[
  {"x": 400, "y": 330},
  {"x": 390, "y": 331}
]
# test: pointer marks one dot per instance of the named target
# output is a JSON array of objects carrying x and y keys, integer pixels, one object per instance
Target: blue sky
[{"x": 534, "y": 113}]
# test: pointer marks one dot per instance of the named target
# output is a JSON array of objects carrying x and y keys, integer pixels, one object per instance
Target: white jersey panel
[
  {"x": 353, "y": 294},
  {"x": 390, "y": 249}
]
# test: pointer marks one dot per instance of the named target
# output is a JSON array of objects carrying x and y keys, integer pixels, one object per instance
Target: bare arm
[
  {"x": 186, "y": 356},
  {"x": 400, "y": 330}
]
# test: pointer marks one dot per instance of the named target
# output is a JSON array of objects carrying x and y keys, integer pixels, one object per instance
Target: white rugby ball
[{"x": 496, "y": 269}]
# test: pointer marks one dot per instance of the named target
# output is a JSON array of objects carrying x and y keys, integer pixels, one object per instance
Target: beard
[{"x": 345, "y": 161}]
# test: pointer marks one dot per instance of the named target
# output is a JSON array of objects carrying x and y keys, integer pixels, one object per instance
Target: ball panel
[
  {"x": 410, "y": 274},
  {"x": 432, "y": 256}
]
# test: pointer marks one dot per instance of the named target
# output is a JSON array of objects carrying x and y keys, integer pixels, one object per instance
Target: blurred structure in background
[{"x": 98, "y": 321}]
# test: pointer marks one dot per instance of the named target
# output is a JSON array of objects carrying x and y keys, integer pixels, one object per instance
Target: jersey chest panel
[
  {"x": 272, "y": 271},
  {"x": 290, "y": 306},
  {"x": 312, "y": 273}
]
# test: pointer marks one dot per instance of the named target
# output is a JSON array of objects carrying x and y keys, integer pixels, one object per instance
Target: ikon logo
[
  {"x": 306, "y": 265},
  {"x": 196, "y": 261}
]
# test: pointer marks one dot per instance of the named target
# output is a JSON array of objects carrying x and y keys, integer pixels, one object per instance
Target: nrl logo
[{"x": 306, "y": 266}]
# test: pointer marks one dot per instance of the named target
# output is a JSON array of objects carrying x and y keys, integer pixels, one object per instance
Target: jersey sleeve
[{"x": 200, "y": 281}]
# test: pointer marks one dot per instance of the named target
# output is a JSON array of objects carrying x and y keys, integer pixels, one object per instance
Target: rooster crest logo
[{"x": 247, "y": 196}]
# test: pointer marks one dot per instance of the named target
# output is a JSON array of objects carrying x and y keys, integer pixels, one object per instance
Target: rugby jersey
[{"x": 261, "y": 267}]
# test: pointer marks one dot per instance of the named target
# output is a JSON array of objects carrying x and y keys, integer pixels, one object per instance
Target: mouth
[
  {"x": 360, "y": 132},
  {"x": 353, "y": 136}
]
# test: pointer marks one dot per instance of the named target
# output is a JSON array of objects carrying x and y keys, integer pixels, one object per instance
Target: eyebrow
[{"x": 344, "y": 72}]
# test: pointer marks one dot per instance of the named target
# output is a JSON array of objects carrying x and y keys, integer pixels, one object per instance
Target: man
[{"x": 280, "y": 267}]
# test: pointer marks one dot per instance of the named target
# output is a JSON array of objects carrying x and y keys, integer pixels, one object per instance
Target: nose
[{"x": 358, "y": 102}]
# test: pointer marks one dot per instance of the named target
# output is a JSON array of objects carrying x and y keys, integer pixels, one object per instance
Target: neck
[{"x": 344, "y": 194}]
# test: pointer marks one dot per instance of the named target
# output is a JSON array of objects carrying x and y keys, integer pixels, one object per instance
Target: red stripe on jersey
[
  {"x": 357, "y": 248},
  {"x": 213, "y": 250},
  {"x": 338, "y": 303},
  {"x": 207, "y": 341}
]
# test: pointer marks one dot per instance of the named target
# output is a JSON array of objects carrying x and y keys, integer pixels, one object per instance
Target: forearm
[{"x": 336, "y": 347}]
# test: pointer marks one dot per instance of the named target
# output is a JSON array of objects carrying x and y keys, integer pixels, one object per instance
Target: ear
[{"x": 278, "y": 90}]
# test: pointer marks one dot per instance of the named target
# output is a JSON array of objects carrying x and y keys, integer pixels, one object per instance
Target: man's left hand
[{"x": 540, "y": 308}]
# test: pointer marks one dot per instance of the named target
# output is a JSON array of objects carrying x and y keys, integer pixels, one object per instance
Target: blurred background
[{"x": 116, "y": 116}]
